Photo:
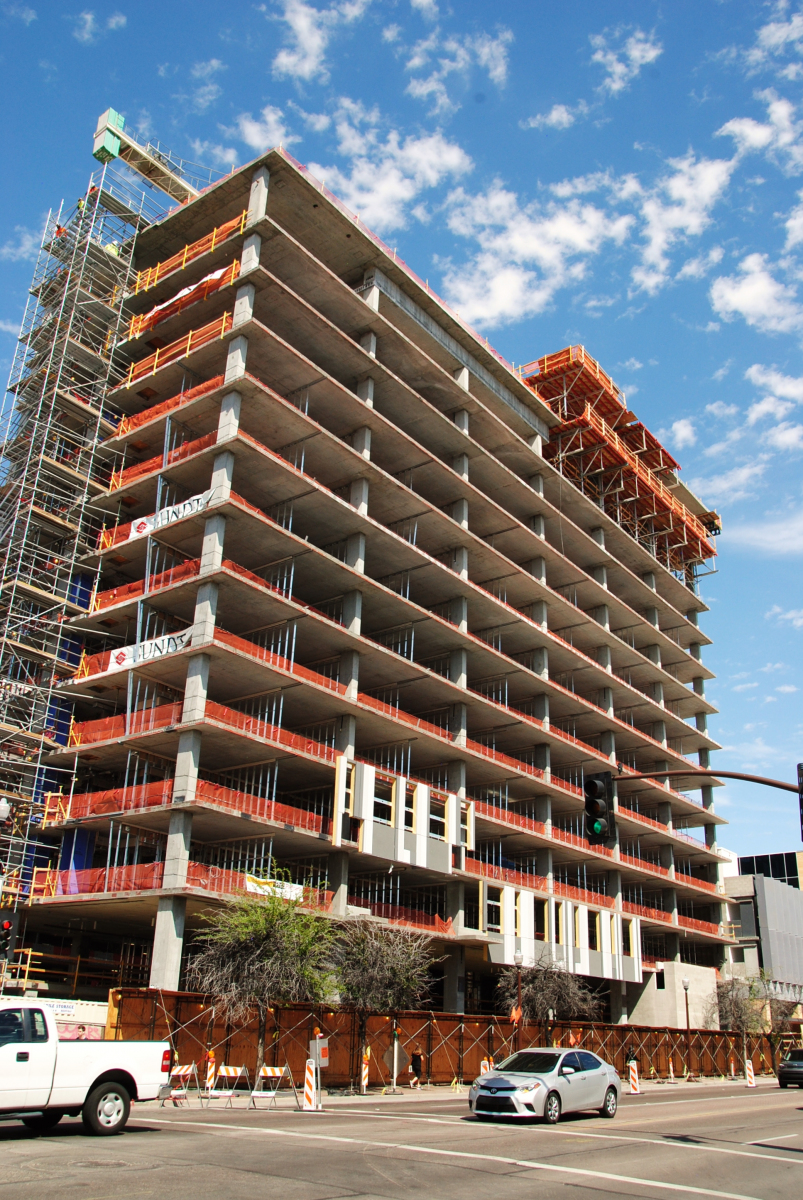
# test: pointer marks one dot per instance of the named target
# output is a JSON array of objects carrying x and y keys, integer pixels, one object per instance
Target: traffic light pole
[{"x": 695, "y": 771}]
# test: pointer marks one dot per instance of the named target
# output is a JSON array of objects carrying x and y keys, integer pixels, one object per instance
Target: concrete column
[
  {"x": 539, "y": 613},
  {"x": 459, "y": 513},
  {"x": 457, "y": 724},
  {"x": 460, "y": 561},
  {"x": 235, "y": 359},
  {"x": 461, "y": 419},
  {"x": 460, "y": 377},
  {"x": 454, "y": 980},
  {"x": 346, "y": 736},
  {"x": 653, "y": 653},
  {"x": 205, "y": 613},
  {"x": 368, "y": 343},
  {"x": 352, "y": 612},
  {"x": 658, "y": 692},
  {"x": 607, "y": 742},
  {"x": 537, "y": 525},
  {"x": 651, "y": 615},
  {"x": 338, "y": 872},
  {"x": 667, "y": 856},
  {"x": 602, "y": 616},
  {"x": 543, "y": 813},
  {"x": 544, "y": 867},
  {"x": 693, "y": 617},
  {"x": 672, "y": 941},
  {"x": 536, "y": 482},
  {"x": 542, "y": 760},
  {"x": 614, "y": 883},
  {"x": 537, "y": 568},
  {"x": 361, "y": 441},
  {"x": 540, "y": 665},
  {"x": 649, "y": 579},
  {"x": 252, "y": 248},
  {"x": 187, "y": 761},
  {"x": 540, "y": 707},
  {"x": 606, "y": 701},
  {"x": 168, "y": 943},
  {"x": 365, "y": 391},
  {"x": 600, "y": 575},
  {"x": 258, "y": 199},
  {"x": 460, "y": 465},
  {"x": 671, "y": 904},
  {"x": 701, "y": 722},
  {"x": 177, "y": 854},
  {"x": 659, "y": 735},
  {"x": 212, "y": 545},
  {"x": 355, "y": 552},
  {"x": 229, "y": 420},
  {"x": 222, "y": 474},
  {"x": 456, "y": 778},
  {"x": 370, "y": 292},
  {"x": 350, "y": 673},
  {"x": 603, "y": 657},
  {"x": 358, "y": 496},
  {"x": 665, "y": 814},
  {"x": 458, "y": 613},
  {"x": 244, "y": 300},
  {"x": 458, "y": 668},
  {"x": 699, "y": 686},
  {"x": 456, "y": 905},
  {"x": 536, "y": 444},
  {"x": 196, "y": 688}
]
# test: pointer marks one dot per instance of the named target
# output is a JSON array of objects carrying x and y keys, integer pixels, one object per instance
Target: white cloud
[
  {"x": 757, "y": 297},
  {"x": 427, "y": 8},
  {"x": 794, "y": 225},
  {"x": 205, "y": 70},
  {"x": 794, "y": 616},
  {"x": 775, "y": 537},
  {"x": 683, "y": 433},
  {"x": 679, "y": 206},
  {"x": 10, "y": 327},
  {"x": 776, "y": 38},
  {"x": 317, "y": 122},
  {"x": 26, "y": 247},
  {"x": 263, "y": 132},
  {"x": 731, "y": 485},
  {"x": 720, "y": 409},
  {"x": 526, "y": 252},
  {"x": 87, "y": 28},
  {"x": 720, "y": 374},
  {"x": 744, "y": 687},
  {"x": 117, "y": 20},
  {"x": 786, "y": 688},
  {"x": 698, "y": 268},
  {"x": 632, "y": 364},
  {"x": 770, "y": 379},
  {"x": 387, "y": 174},
  {"x": 785, "y": 436},
  {"x": 391, "y": 33},
  {"x": 212, "y": 152},
  {"x": 560, "y": 116},
  {"x": 623, "y": 64},
  {"x": 773, "y": 667},
  {"x": 769, "y": 406},
  {"x": 309, "y": 30},
  {"x": 779, "y": 137},
  {"x": 21, "y": 11},
  {"x": 455, "y": 56}
]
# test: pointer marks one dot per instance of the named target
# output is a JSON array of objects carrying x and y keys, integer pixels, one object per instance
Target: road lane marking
[
  {"x": 523, "y": 1163},
  {"x": 779, "y": 1138}
]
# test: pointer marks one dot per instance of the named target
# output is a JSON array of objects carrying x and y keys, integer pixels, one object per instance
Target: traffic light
[
  {"x": 800, "y": 795},
  {"x": 9, "y": 924},
  {"x": 600, "y": 820}
]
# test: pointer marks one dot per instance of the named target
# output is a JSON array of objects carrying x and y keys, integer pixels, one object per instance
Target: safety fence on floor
[{"x": 454, "y": 1046}]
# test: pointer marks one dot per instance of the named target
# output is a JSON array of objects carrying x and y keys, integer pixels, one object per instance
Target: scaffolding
[
  {"x": 617, "y": 462},
  {"x": 53, "y": 420}
]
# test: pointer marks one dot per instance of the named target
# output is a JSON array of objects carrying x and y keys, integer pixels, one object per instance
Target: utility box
[{"x": 107, "y": 142}]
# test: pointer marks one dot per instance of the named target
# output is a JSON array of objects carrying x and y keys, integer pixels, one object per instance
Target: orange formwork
[{"x": 615, "y": 459}]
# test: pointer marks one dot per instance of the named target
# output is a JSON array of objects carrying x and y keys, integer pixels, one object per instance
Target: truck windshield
[{"x": 530, "y": 1062}]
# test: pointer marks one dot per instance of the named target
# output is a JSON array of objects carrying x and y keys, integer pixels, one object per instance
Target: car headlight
[{"x": 477, "y": 1082}]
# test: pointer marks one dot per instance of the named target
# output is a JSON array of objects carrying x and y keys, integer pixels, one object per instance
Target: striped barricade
[
  {"x": 635, "y": 1090},
  {"x": 180, "y": 1078},
  {"x": 232, "y": 1076},
  {"x": 267, "y": 1084}
]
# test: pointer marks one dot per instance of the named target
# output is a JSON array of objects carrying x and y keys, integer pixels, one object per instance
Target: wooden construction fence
[{"x": 454, "y": 1045}]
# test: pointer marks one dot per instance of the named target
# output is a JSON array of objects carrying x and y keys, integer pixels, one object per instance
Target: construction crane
[{"x": 179, "y": 178}]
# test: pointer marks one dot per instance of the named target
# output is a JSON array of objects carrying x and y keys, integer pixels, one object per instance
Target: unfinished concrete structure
[{"x": 354, "y": 597}]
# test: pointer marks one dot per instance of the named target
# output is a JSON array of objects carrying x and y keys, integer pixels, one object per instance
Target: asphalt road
[{"x": 719, "y": 1141}]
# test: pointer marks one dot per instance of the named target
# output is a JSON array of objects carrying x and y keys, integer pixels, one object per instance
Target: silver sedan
[{"x": 545, "y": 1083}]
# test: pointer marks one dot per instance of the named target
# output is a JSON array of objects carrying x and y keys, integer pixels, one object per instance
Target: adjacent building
[{"x": 299, "y": 573}]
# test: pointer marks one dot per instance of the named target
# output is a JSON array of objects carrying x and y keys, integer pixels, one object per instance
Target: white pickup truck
[{"x": 43, "y": 1079}]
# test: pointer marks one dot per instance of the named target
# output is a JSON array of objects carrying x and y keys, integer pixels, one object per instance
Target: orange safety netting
[
  {"x": 193, "y": 295},
  {"x": 474, "y": 866},
  {"x": 121, "y": 479},
  {"x": 91, "y": 880},
  {"x": 130, "y": 591},
  {"x": 644, "y": 910},
  {"x": 272, "y": 733},
  {"x": 107, "y": 729},
  {"x": 180, "y": 348},
  {"x": 400, "y": 914},
  {"x": 701, "y": 926},
  {"x": 166, "y": 406},
  {"x": 151, "y": 275}
]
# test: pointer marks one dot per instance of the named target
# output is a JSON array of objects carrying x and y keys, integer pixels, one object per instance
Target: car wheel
[
  {"x": 41, "y": 1122},
  {"x": 106, "y": 1109},
  {"x": 610, "y": 1104},
  {"x": 782, "y": 1083},
  {"x": 552, "y": 1108}
]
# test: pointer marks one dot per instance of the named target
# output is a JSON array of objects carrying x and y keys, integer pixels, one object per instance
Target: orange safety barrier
[
  {"x": 113, "y": 800},
  {"x": 121, "y": 479},
  {"x": 166, "y": 406},
  {"x": 180, "y": 348},
  {"x": 474, "y": 866},
  {"x": 106, "y": 729},
  {"x": 509, "y": 816},
  {"x": 273, "y": 733},
  {"x": 207, "y": 287},
  {"x": 130, "y": 591},
  {"x": 92, "y": 880},
  {"x": 644, "y": 910},
  {"x": 570, "y": 892},
  {"x": 400, "y": 914},
  {"x": 284, "y": 664},
  {"x": 700, "y": 926},
  {"x": 152, "y": 275}
]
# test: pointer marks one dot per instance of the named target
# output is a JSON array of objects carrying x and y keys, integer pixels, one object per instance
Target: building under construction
[{"x": 302, "y": 580}]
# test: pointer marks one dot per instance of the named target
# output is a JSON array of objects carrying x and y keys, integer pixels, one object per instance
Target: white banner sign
[
  {"x": 132, "y": 656},
  {"x": 166, "y": 516},
  {"x": 274, "y": 887}
]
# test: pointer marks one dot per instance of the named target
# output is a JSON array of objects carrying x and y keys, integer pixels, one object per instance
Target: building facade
[{"x": 337, "y": 591}]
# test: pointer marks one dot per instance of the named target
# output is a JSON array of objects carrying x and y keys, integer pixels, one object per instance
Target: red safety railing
[
  {"x": 179, "y": 349},
  {"x": 89, "y": 881},
  {"x": 106, "y": 729},
  {"x": 207, "y": 287},
  {"x": 399, "y": 914},
  {"x": 701, "y": 926},
  {"x": 537, "y": 883},
  {"x": 121, "y": 479},
  {"x": 570, "y": 892},
  {"x": 644, "y": 910},
  {"x": 130, "y": 591},
  {"x": 152, "y": 275},
  {"x": 255, "y": 727},
  {"x": 166, "y": 406},
  {"x": 483, "y": 809}
]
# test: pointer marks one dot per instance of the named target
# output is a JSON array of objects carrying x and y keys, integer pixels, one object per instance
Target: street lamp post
[
  {"x": 686, "y": 986},
  {"x": 518, "y": 959}
]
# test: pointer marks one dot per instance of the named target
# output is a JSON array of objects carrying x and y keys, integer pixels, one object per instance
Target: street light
[
  {"x": 518, "y": 959},
  {"x": 686, "y": 985}
]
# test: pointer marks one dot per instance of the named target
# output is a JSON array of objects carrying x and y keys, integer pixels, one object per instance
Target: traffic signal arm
[{"x": 694, "y": 771}]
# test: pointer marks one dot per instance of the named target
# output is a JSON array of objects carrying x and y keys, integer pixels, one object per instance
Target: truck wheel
[
  {"x": 41, "y": 1122},
  {"x": 106, "y": 1109}
]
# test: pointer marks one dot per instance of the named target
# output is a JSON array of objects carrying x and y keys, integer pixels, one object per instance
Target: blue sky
[{"x": 625, "y": 175}]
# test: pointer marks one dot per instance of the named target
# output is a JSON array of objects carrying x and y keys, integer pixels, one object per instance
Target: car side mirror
[{"x": 567, "y": 1070}]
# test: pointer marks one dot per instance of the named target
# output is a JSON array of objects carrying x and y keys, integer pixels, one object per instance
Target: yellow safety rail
[
  {"x": 57, "y": 809},
  {"x": 201, "y": 291},
  {"x": 179, "y": 349},
  {"x": 152, "y": 275}
]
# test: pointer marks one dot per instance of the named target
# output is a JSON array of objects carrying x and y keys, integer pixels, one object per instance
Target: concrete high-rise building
[{"x": 299, "y": 572}]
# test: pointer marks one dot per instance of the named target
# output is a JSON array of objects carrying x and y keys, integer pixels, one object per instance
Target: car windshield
[
  {"x": 530, "y": 1062},
  {"x": 795, "y": 1056}
]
